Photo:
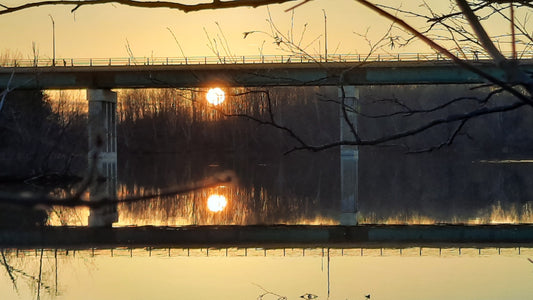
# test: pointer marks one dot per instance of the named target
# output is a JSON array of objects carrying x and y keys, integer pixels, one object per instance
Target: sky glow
[{"x": 101, "y": 31}]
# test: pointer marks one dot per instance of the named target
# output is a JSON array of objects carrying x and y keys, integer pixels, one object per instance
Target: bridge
[
  {"x": 271, "y": 236},
  {"x": 99, "y": 76},
  {"x": 246, "y": 72}
]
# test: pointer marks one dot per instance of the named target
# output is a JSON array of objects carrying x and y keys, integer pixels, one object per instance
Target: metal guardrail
[{"x": 253, "y": 59}]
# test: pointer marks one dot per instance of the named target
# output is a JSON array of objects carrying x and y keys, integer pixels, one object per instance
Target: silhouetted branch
[
  {"x": 297, "y": 5},
  {"x": 456, "y": 14},
  {"x": 286, "y": 42},
  {"x": 75, "y": 200},
  {"x": 516, "y": 24},
  {"x": 349, "y": 122},
  {"x": 270, "y": 122},
  {"x": 450, "y": 140},
  {"x": 267, "y": 292},
  {"x": 513, "y": 73},
  {"x": 23, "y": 273},
  {"x": 414, "y": 131},
  {"x": 40, "y": 275},
  {"x": 267, "y": 95},
  {"x": 480, "y": 32},
  {"x": 409, "y": 111},
  {"x": 8, "y": 270},
  {"x": 146, "y": 4}
]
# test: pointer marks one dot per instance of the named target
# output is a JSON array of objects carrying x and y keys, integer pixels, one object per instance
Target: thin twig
[
  {"x": 448, "y": 142},
  {"x": 8, "y": 269}
]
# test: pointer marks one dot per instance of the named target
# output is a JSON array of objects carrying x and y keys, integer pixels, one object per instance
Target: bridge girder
[{"x": 247, "y": 75}]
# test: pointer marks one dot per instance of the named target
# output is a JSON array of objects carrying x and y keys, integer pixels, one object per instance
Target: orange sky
[{"x": 103, "y": 30}]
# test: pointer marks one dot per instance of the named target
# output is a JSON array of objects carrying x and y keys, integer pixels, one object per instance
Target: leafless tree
[{"x": 457, "y": 35}]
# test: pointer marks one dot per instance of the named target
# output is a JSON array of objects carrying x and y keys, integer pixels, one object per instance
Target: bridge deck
[
  {"x": 248, "y": 75},
  {"x": 270, "y": 236}
]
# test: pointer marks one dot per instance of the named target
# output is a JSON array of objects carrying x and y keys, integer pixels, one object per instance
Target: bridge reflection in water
[
  {"x": 450, "y": 250},
  {"x": 261, "y": 273}
]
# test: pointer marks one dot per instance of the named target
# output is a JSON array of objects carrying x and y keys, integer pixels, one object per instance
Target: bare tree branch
[
  {"x": 353, "y": 130},
  {"x": 450, "y": 140},
  {"x": 216, "y": 4},
  {"x": 516, "y": 75},
  {"x": 75, "y": 200},
  {"x": 24, "y": 274},
  {"x": 414, "y": 131},
  {"x": 480, "y": 32},
  {"x": 410, "y": 112},
  {"x": 271, "y": 122},
  {"x": 8, "y": 270}
]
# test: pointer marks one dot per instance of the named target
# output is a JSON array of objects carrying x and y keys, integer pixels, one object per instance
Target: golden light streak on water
[
  {"x": 397, "y": 220},
  {"x": 192, "y": 209},
  {"x": 495, "y": 214},
  {"x": 319, "y": 220},
  {"x": 508, "y": 161},
  {"x": 184, "y": 215}
]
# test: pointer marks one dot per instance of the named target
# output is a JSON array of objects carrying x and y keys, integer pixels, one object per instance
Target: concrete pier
[
  {"x": 102, "y": 154},
  {"x": 349, "y": 157}
]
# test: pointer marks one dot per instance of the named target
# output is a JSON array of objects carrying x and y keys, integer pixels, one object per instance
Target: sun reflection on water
[{"x": 216, "y": 203}]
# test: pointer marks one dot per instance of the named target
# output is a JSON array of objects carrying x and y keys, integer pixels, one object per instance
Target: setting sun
[
  {"x": 215, "y": 96},
  {"x": 216, "y": 203}
]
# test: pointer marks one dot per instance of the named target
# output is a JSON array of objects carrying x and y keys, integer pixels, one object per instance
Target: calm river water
[{"x": 301, "y": 188}]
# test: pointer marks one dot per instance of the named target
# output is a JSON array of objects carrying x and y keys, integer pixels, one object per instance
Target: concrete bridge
[
  {"x": 248, "y": 75},
  {"x": 99, "y": 79}
]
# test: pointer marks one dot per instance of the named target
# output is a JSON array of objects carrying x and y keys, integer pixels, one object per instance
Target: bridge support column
[
  {"x": 349, "y": 158},
  {"x": 102, "y": 154}
]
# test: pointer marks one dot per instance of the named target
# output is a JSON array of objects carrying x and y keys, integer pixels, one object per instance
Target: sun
[
  {"x": 216, "y": 203},
  {"x": 215, "y": 96}
]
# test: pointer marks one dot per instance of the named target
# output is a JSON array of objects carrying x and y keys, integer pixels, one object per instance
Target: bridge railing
[{"x": 250, "y": 59}]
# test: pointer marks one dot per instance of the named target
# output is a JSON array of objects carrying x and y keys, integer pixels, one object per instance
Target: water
[
  {"x": 303, "y": 188},
  {"x": 249, "y": 273}
]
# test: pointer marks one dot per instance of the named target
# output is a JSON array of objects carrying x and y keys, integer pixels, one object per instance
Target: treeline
[
  {"x": 40, "y": 135},
  {"x": 171, "y": 120}
]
